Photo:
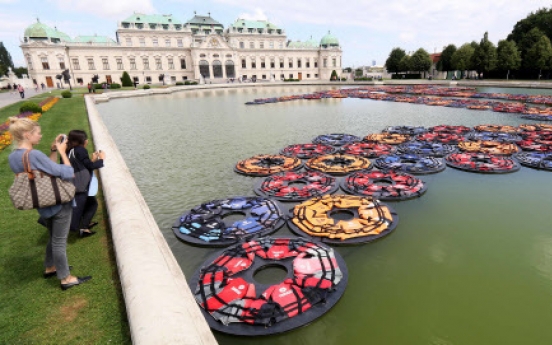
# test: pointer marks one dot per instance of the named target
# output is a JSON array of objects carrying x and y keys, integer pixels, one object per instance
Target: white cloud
[
  {"x": 258, "y": 14},
  {"x": 113, "y": 9}
]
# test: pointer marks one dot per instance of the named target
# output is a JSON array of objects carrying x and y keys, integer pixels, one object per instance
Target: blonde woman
[{"x": 26, "y": 134}]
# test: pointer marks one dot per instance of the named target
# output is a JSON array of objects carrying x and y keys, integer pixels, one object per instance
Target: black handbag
[{"x": 82, "y": 174}]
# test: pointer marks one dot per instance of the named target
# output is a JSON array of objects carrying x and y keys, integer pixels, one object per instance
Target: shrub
[
  {"x": 30, "y": 106},
  {"x": 125, "y": 79},
  {"x": 290, "y": 79},
  {"x": 179, "y": 83},
  {"x": 193, "y": 83},
  {"x": 363, "y": 79},
  {"x": 333, "y": 77},
  {"x": 115, "y": 86},
  {"x": 66, "y": 94},
  {"x": 146, "y": 87},
  {"x": 343, "y": 79},
  {"x": 97, "y": 86}
]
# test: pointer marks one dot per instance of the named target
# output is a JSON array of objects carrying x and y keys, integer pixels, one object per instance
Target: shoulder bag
[
  {"x": 82, "y": 174},
  {"x": 37, "y": 189}
]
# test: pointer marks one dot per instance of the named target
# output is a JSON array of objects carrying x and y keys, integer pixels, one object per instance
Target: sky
[{"x": 367, "y": 29}]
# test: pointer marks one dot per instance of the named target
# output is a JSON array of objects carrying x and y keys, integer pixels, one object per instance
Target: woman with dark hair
[{"x": 84, "y": 167}]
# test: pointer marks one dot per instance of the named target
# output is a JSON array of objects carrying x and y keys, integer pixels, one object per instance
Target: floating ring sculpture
[
  {"x": 489, "y": 147},
  {"x": 461, "y": 130},
  {"x": 368, "y": 150},
  {"x": 343, "y": 219},
  {"x": 234, "y": 302},
  {"x": 441, "y": 137},
  {"x": 405, "y": 130},
  {"x": 306, "y": 151},
  {"x": 264, "y": 165},
  {"x": 537, "y": 117},
  {"x": 493, "y": 136},
  {"x": 335, "y": 139},
  {"x": 536, "y": 160},
  {"x": 482, "y": 163},
  {"x": 528, "y": 128},
  {"x": 496, "y": 128},
  {"x": 387, "y": 138},
  {"x": 206, "y": 225},
  {"x": 338, "y": 164},
  {"x": 426, "y": 148},
  {"x": 297, "y": 186},
  {"x": 532, "y": 145},
  {"x": 413, "y": 164},
  {"x": 392, "y": 186}
]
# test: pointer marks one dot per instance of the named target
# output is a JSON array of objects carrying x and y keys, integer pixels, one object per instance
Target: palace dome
[{"x": 329, "y": 40}]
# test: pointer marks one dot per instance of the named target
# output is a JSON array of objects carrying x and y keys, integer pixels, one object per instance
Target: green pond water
[{"x": 469, "y": 263}]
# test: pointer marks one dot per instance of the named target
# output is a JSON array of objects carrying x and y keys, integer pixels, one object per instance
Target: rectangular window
[
  {"x": 132, "y": 63},
  {"x": 290, "y": 63},
  {"x": 253, "y": 64},
  {"x": 316, "y": 64},
  {"x": 263, "y": 65},
  {"x": 333, "y": 62},
  {"x": 129, "y": 42},
  {"x": 308, "y": 64},
  {"x": 243, "y": 63},
  {"x": 167, "y": 42},
  {"x": 155, "y": 42},
  {"x": 325, "y": 63},
  {"x": 91, "y": 64},
  {"x": 142, "y": 42},
  {"x": 272, "y": 64},
  {"x": 179, "y": 43},
  {"x": 281, "y": 63},
  {"x": 173, "y": 78},
  {"x": 171, "y": 63},
  {"x": 29, "y": 62},
  {"x": 120, "y": 66},
  {"x": 61, "y": 63},
  {"x": 148, "y": 79},
  {"x": 45, "y": 64},
  {"x": 291, "y": 76},
  {"x": 252, "y": 45},
  {"x": 282, "y": 76},
  {"x": 261, "y": 45},
  {"x": 281, "y": 45},
  {"x": 184, "y": 78},
  {"x": 242, "y": 45},
  {"x": 308, "y": 75},
  {"x": 271, "y": 44},
  {"x": 145, "y": 62},
  {"x": 158, "y": 63},
  {"x": 182, "y": 63},
  {"x": 316, "y": 75},
  {"x": 105, "y": 64},
  {"x": 76, "y": 65},
  {"x": 79, "y": 80},
  {"x": 298, "y": 63},
  {"x": 264, "y": 76}
]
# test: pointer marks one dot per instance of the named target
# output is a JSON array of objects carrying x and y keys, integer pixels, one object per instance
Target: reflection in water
[{"x": 469, "y": 263}]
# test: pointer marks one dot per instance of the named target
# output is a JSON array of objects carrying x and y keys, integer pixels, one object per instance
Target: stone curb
[{"x": 160, "y": 306}]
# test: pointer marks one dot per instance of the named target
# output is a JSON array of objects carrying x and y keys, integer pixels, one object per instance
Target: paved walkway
[{"x": 7, "y": 98}]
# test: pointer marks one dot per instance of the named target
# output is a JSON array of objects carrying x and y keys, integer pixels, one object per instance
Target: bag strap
[{"x": 27, "y": 165}]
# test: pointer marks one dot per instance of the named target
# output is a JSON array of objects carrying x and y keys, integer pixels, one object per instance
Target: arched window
[
  {"x": 217, "y": 69},
  {"x": 230, "y": 71},
  {"x": 204, "y": 69}
]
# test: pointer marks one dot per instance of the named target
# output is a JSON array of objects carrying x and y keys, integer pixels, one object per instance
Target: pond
[{"x": 469, "y": 263}]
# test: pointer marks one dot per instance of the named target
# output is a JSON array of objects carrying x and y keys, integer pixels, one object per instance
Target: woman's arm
[{"x": 82, "y": 155}]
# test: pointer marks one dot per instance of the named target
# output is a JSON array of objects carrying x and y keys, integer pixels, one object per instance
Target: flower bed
[{"x": 5, "y": 135}]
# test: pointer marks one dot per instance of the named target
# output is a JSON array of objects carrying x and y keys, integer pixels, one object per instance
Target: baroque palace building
[{"x": 161, "y": 48}]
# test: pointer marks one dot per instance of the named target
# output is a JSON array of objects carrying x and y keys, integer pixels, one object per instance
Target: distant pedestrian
[
  {"x": 42, "y": 85},
  {"x": 36, "y": 87},
  {"x": 21, "y": 91},
  {"x": 89, "y": 88}
]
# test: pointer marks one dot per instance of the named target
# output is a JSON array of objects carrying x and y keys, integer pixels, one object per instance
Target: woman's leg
[
  {"x": 90, "y": 208},
  {"x": 80, "y": 199},
  {"x": 60, "y": 230}
]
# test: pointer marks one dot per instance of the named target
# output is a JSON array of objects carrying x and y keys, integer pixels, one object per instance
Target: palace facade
[{"x": 160, "y": 48}]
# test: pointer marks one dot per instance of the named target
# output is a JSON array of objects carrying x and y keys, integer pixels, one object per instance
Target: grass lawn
[{"x": 34, "y": 310}]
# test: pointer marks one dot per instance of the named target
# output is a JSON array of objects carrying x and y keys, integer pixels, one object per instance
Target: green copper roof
[
  {"x": 329, "y": 41},
  {"x": 94, "y": 39},
  {"x": 203, "y": 20},
  {"x": 312, "y": 43},
  {"x": 39, "y": 30},
  {"x": 152, "y": 19},
  {"x": 254, "y": 24}
]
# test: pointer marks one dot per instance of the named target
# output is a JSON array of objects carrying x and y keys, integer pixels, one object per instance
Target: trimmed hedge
[
  {"x": 407, "y": 76},
  {"x": 115, "y": 86},
  {"x": 66, "y": 94},
  {"x": 30, "y": 106},
  {"x": 187, "y": 82},
  {"x": 286, "y": 80},
  {"x": 178, "y": 83},
  {"x": 145, "y": 87}
]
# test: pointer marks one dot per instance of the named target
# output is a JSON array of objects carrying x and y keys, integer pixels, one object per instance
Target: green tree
[
  {"x": 19, "y": 71},
  {"x": 394, "y": 59},
  {"x": 5, "y": 60},
  {"x": 539, "y": 55},
  {"x": 527, "y": 41},
  {"x": 404, "y": 64},
  {"x": 358, "y": 72},
  {"x": 540, "y": 20},
  {"x": 508, "y": 56},
  {"x": 461, "y": 59},
  {"x": 334, "y": 75},
  {"x": 125, "y": 79},
  {"x": 420, "y": 61},
  {"x": 484, "y": 56},
  {"x": 445, "y": 62}
]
